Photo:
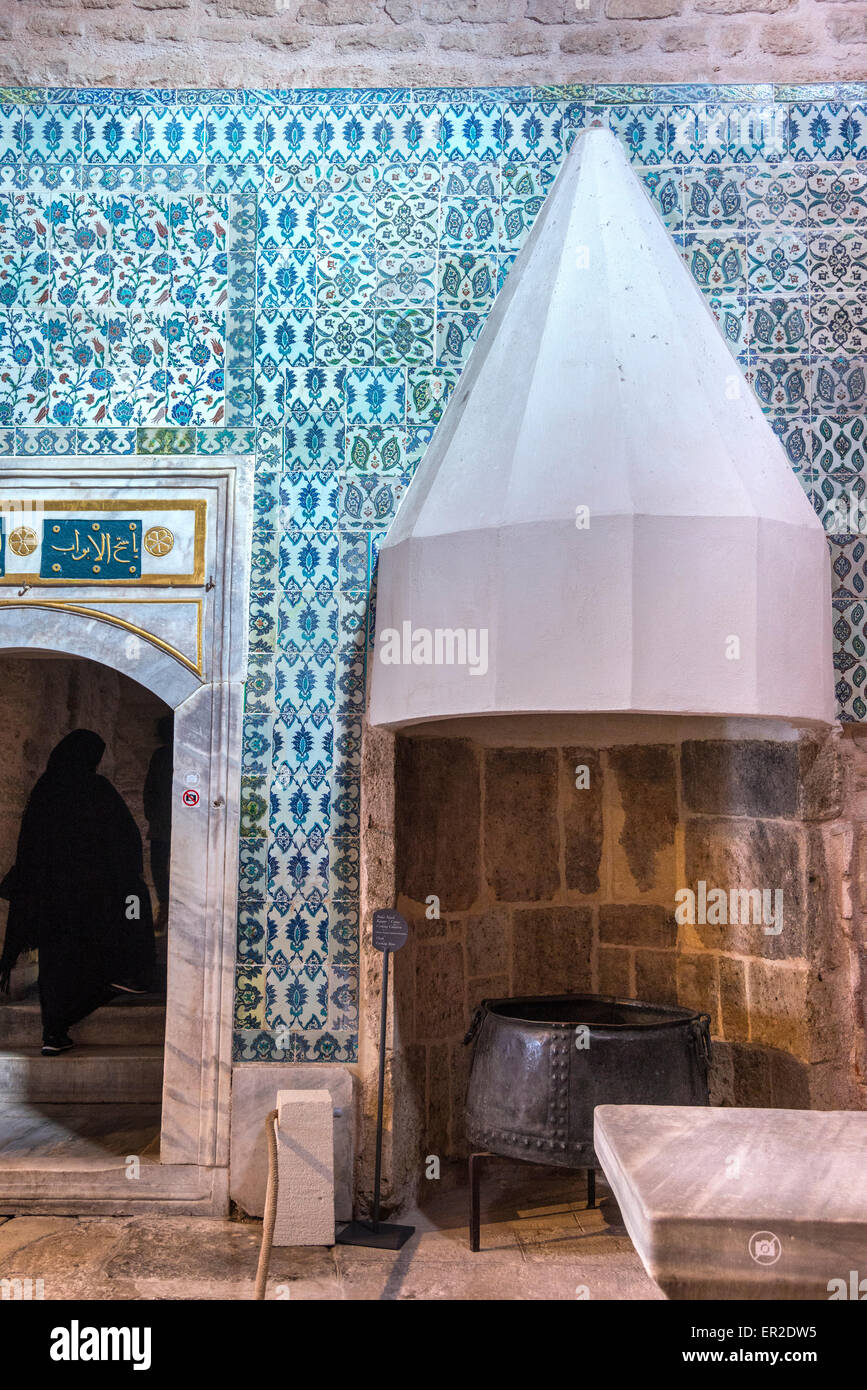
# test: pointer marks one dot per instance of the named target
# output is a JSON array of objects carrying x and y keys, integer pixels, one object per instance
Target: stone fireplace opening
[
  {"x": 105, "y": 1096},
  {"x": 557, "y": 856}
]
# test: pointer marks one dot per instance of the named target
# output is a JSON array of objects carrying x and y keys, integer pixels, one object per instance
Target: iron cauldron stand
[{"x": 542, "y": 1063}]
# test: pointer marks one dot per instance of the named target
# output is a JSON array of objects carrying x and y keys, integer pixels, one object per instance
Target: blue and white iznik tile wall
[{"x": 303, "y": 274}]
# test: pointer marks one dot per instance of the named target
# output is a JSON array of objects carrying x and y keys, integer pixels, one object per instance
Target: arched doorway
[{"x": 201, "y": 679}]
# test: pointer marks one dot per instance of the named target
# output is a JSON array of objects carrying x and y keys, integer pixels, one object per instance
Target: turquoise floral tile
[
  {"x": 165, "y": 441},
  {"x": 48, "y": 134},
  {"x": 730, "y": 312},
  {"x": 375, "y": 396},
  {"x": 779, "y": 326},
  {"x": 826, "y": 131},
  {"x": 404, "y": 337},
  {"x": 836, "y": 194},
  {"x": 471, "y": 131},
  {"x": 173, "y": 135},
  {"x": 778, "y": 262},
  {"x": 838, "y": 264},
  {"x": 470, "y": 223},
  {"x": 404, "y": 278},
  {"x": 777, "y": 197},
  {"x": 714, "y": 197},
  {"x": 106, "y": 440},
  {"x": 375, "y": 449},
  {"x": 848, "y": 553},
  {"x": 838, "y": 326},
  {"x": 797, "y": 438},
  {"x": 781, "y": 383},
  {"x": 840, "y": 383},
  {"x": 531, "y": 129},
  {"x": 850, "y": 667},
  {"x": 317, "y": 389},
  {"x": 643, "y": 132},
  {"x": 428, "y": 391},
  {"x": 759, "y": 133},
  {"x": 313, "y": 441},
  {"x": 717, "y": 260},
  {"x": 113, "y": 135},
  {"x": 235, "y": 135},
  {"x": 665, "y": 188},
  {"x": 345, "y": 337},
  {"x": 45, "y": 442}
]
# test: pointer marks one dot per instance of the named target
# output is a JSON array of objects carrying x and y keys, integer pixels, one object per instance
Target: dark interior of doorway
[{"x": 101, "y": 1102}]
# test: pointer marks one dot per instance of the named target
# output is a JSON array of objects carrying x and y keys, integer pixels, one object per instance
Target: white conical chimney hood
[{"x": 697, "y": 581}]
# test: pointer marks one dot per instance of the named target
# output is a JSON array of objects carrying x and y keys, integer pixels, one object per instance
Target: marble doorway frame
[{"x": 192, "y": 1173}]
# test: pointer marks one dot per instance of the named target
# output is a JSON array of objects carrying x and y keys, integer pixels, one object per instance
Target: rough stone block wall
[
  {"x": 545, "y": 887},
  {"x": 423, "y": 43},
  {"x": 41, "y": 699}
]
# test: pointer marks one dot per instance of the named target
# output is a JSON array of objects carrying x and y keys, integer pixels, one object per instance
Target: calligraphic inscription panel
[
  {"x": 87, "y": 550},
  {"x": 103, "y": 541}
]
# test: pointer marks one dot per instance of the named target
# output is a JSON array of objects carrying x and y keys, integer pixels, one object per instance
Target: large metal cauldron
[{"x": 542, "y": 1063}]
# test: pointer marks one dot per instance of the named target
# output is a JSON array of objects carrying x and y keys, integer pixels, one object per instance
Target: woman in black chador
[{"x": 76, "y": 892}]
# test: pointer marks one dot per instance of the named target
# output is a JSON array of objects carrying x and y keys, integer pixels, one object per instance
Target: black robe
[{"x": 78, "y": 865}]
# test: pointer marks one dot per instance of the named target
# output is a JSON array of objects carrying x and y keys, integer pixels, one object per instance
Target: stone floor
[{"x": 538, "y": 1242}]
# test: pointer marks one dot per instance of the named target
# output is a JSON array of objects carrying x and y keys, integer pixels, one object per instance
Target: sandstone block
[
  {"x": 740, "y": 777},
  {"x": 646, "y": 782},
  {"x": 328, "y": 12},
  {"x": 437, "y": 816},
  {"x": 821, "y": 779},
  {"x": 488, "y": 942},
  {"x": 642, "y": 9},
  {"x": 787, "y": 40},
  {"x": 698, "y": 986},
  {"x": 743, "y": 6},
  {"x": 521, "y": 835},
  {"x": 749, "y": 857},
  {"x": 614, "y": 971},
  {"x": 551, "y": 950},
  {"x": 656, "y": 976},
  {"x": 637, "y": 924},
  {"x": 305, "y": 1166},
  {"x": 778, "y": 1007},
  {"x": 582, "y": 817},
  {"x": 440, "y": 1011},
  {"x": 734, "y": 1018}
]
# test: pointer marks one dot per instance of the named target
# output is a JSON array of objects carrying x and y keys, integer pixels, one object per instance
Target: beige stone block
[
  {"x": 787, "y": 40},
  {"x": 551, "y": 950},
  {"x": 437, "y": 820},
  {"x": 698, "y": 986},
  {"x": 749, "y": 856},
  {"x": 778, "y": 1006},
  {"x": 521, "y": 834},
  {"x": 614, "y": 968},
  {"x": 644, "y": 818},
  {"x": 582, "y": 817},
  {"x": 305, "y": 1167},
  {"x": 440, "y": 1011},
  {"x": 656, "y": 976},
  {"x": 734, "y": 1019},
  {"x": 488, "y": 942},
  {"x": 637, "y": 924},
  {"x": 743, "y": 6},
  {"x": 642, "y": 9}
]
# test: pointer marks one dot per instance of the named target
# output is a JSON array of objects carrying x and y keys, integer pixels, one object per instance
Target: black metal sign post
[{"x": 389, "y": 934}]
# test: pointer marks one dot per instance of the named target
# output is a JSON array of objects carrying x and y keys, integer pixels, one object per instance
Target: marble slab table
[{"x": 741, "y": 1203}]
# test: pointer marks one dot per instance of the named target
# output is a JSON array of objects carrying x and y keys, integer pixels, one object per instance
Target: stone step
[
  {"x": 119, "y": 1024},
  {"x": 86, "y": 1074}
]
